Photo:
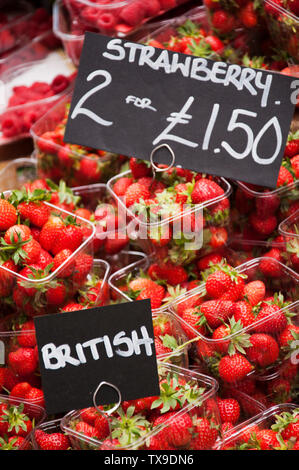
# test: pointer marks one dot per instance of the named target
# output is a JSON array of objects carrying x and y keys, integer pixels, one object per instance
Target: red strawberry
[
  {"x": 102, "y": 426},
  {"x": 87, "y": 430},
  {"x": 23, "y": 361},
  {"x": 8, "y": 215},
  {"x": 243, "y": 312},
  {"x": 206, "y": 435},
  {"x": 229, "y": 410},
  {"x": 263, "y": 225},
  {"x": 121, "y": 186},
  {"x": 37, "y": 212},
  {"x": 271, "y": 268},
  {"x": 54, "y": 441},
  {"x": 27, "y": 337},
  {"x": 234, "y": 368},
  {"x": 284, "y": 177},
  {"x": 254, "y": 292},
  {"x": 264, "y": 350},
  {"x": 205, "y": 190},
  {"x": 139, "y": 168},
  {"x": 208, "y": 261},
  {"x": 135, "y": 192},
  {"x": 273, "y": 320},
  {"x": 216, "y": 311},
  {"x": 17, "y": 233},
  {"x": 217, "y": 284},
  {"x": 179, "y": 430}
]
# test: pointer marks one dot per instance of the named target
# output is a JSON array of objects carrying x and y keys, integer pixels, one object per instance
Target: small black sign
[
  {"x": 78, "y": 350},
  {"x": 218, "y": 118}
]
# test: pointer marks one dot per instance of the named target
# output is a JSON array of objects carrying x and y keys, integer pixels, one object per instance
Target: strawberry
[
  {"x": 248, "y": 15},
  {"x": 87, "y": 430},
  {"x": 70, "y": 237},
  {"x": 264, "y": 350},
  {"x": 37, "y": 212},
  {"x": 89, "y": 415},
  {"x": 267, "y": 439},
  {"x": 154, "y": 292},
  {"x": 292, "y": 146},
  {"x": 36, "y": 397},
  {"x": 267, "y": 204},
  {"x": 288, "y": 335},
  {"x": 20, "y": 390},
  {"x": 271, "y": 268},
  {"x": 190, "y": 302},
  {"x": 243, "y": 313},
  {"x": 273, "y": 320},
  {"x": 192, "y": 318},
  {"x": 179, "y": 430},
  {"x": 216, "y": 312},
  {"x": 234, "y": 368},
  {"x": 17, "y": 233},
  {"x": 208, "y": 261},
  {"x": 206, "y": 434},
  {"x": 263, "y": 225},
  {"x": 27, "y": 337},
  {"x": 285, "y": 177},
  {"x": 23, "y": 361},
  {"x": 50, "y": 232},
  {"x": 174, "y": 275},
  {"x": 217, "y": 284},
  {"x": 8, "y": 215},
  {"x": 121, "y": 186},
  {"x": 254, "y": 292},
  {"x": 223, "y": 21},
  {"x": 139, "y": 168},
  {"x": 56, "y": 295},
  {"x": 60, "y": 258},
  {"x": 54, "y": 441},
  {"x": 205, "y": 190},
  {"x": 102, "y": 426},
  {"x": 135, "y": 192},
  {"x": 229, "y": 410}
]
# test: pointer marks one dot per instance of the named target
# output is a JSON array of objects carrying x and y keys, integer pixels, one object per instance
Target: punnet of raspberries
[{"x": 115, "y": 18}]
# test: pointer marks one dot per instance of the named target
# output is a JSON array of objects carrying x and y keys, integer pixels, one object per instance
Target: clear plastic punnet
[
  {"x": 75, "y": 164},
  {"x": 178, "y": 232},
  {"x": 16, "y": 173},
  {"x": 48, "y": 436},
  {"x": 256, "y": 213},
  {"x": 36, "y": 289},
  {"x": 117, "y": 18},
  {"x": 28, "y": 90},
  {"x": 289, "y": 229},
  {"x": 283, "y": 26},
  {"x": 265, "y": 431},
  {"x": 70, "y": 34},
  {"x": 13, "y": 25},
  {"x": 156, "y": 432},
  {"x": 215, "y": 327},
  {"x": 36, "y": 49},
  {"x": 28, "y": 414}
]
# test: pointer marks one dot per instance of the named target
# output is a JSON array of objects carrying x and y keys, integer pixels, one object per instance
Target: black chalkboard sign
[
  {"x": 218, "y": 118},
  {"x": 78, "y": 350}
]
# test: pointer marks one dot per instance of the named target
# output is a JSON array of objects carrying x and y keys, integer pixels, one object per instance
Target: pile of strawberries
[
  {"x": 184, "y": 416},
  {"x": 39, "y": 271},
  {"x": 194, "y": 39},
  {"x": 241, "y": 325},
  {"x": 257, "y": 211},
  {"x": 276, "y": 430},
  {"x": 76, "y": 164},
  {"x": 17, "y": 421},
  {"x": 172, "y": 209},
  {"x": 283, "y": 24}
]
